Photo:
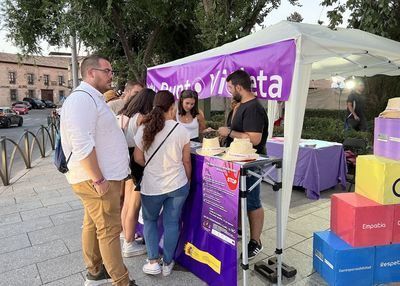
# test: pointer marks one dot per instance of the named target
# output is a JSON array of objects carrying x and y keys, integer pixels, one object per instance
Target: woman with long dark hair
[
  {"x": 189, "y": 114},
  {"x": 163, "y": 147},
  {"x": 129, "y": 118}
]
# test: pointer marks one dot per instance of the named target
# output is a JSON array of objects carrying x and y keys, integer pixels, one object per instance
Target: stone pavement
[{"x": 40, "y": 234}]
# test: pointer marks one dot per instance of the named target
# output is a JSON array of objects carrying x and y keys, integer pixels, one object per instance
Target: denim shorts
[{"x": 253, "y": 197}]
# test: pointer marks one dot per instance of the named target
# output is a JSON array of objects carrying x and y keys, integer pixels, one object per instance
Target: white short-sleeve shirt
[{"x": 165, "y": 172}]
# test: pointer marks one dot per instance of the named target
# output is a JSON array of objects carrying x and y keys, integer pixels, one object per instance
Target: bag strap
[
  {"x": 69, "y": 157},
  {"x": 161, "y": 144}
]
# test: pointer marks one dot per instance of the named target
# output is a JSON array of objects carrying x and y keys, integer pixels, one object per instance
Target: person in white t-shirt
[
  {"x": 166, "y": 177},
  {"x": 129, "y": 119}
]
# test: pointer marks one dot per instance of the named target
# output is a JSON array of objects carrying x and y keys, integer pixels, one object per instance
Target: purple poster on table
[
  {"x": 270, "y": 68},
  {"x": 208, "y": 242}
]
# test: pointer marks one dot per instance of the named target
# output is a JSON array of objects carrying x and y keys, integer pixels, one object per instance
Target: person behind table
[
  {"x": 99, "y": 162},
  {"x": 189, "y": 115},
  {"x": 165, "y": 182},
  {"x": 250, "y": 121},
  {"x": 130, "y": 118},
  {"x": 132, "y": 88},
  {"x": 356, "y": 118}
]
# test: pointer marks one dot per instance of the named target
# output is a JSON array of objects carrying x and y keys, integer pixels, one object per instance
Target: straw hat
[
  {"x": 240, "y": 150},
  {"x": 210, "y": 147},
  {"x": 110, "y": 95},
  {"x": 392, "y": 109}
]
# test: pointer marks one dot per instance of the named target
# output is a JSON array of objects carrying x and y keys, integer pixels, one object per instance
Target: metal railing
[{"x": 30, "y": 141}]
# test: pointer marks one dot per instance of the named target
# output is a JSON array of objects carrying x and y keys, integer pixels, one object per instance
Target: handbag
[{"x": 151, "y": 157}]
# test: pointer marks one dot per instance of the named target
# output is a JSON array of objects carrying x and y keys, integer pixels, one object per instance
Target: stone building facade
[{"x": 36, "y": 77}]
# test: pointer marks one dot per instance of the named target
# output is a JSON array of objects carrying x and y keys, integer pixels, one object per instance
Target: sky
[{"x": 311, "y": 11}]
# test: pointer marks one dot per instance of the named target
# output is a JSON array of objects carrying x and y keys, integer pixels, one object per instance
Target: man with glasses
[
  {"x": 98, "y": 164},
  {"x": 131, "y": 89}
]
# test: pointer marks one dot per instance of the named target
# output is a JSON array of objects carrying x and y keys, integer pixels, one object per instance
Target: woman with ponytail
[{"x": 163, "y": 148}]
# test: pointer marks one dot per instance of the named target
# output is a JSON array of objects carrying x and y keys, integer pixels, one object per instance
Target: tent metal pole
[
  {"x": 279, "y": 230},
  {"x": 243, "y": 202}
]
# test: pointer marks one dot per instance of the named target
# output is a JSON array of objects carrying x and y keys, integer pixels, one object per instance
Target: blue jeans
[
  {"x": 172, "y": 204},
  {"x": 253, "y": 198}
]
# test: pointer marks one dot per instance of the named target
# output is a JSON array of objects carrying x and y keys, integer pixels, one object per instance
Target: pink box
[
  {"x": 387, "y": 138},
  {"x": 396, "y": 225},
  {"x": 360, "y": 221}
]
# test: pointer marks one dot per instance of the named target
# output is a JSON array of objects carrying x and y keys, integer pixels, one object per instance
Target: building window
[
  {"x": 11, "y": 77},
  {"x": 31, "y": 93},
  {"x": 60, "y": 80},
  {"x": 61, "y": 95},
  {"x": 46, "y": 79},
  {"x": 13, "y": 94},
  {"x": 30, "y": 78}
]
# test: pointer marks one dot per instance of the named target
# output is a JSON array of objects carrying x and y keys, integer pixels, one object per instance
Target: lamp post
[{"x": 338, "y": 83}]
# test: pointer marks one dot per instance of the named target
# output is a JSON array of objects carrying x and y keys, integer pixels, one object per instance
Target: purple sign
[
  {"x": 270, "y": 68},
  {"x": 220, "y": 199},
  {"x": 211, "y": 255}
]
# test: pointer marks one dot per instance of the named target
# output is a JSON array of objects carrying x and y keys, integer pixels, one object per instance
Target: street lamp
[{"x": 338, "y": 83}]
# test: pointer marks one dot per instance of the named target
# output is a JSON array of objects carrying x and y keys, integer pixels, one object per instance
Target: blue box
[
  {"x": 387, "y": 264},
  {"x": 341, "y": 264}
]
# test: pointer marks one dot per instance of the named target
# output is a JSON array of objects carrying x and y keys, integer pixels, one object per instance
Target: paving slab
[
  {"x": 61, "y": 267},
  {"x": 25, "y": 226},
  {"x": 54, "y": 233},
  {"x": 32, "y": 255},
  {"x": 23, "y": 276},
  {"x": 45, "y": 211},
  {"x": 15, "y": 242}
]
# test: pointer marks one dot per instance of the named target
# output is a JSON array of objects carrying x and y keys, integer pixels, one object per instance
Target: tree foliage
[
  {"x": 380, "y": 17},
  {"x": 295, "y": 17},
  {"x": 135, "y": 34}
]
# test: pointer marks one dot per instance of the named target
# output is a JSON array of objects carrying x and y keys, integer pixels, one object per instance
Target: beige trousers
[{"x": 101, "y": 229}]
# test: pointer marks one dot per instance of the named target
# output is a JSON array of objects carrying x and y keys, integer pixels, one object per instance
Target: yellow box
[{"x": 378, "y": 179}]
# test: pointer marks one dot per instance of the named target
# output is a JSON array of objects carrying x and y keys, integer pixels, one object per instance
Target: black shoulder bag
[{"x": 151, "y": 157}]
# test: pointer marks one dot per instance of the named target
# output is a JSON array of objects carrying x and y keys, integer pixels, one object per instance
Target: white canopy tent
[{"x": 320, "y": 54}]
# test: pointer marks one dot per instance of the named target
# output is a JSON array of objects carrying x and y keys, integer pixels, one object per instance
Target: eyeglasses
[{"x": 107, "y": 71}]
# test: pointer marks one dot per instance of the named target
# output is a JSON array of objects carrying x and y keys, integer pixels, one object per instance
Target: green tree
[
  {"x": 295, "y": 17},
  {"x": 135, "y": 34},
  {"x": 380, "y": 17}
]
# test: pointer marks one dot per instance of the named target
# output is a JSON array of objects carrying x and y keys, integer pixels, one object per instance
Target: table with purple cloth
[{"x": 320, "y": 164}]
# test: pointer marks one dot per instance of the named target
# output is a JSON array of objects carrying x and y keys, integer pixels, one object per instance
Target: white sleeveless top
[
  {"x": 192, "y": 127},
  {"x": 129, "y": 126}
]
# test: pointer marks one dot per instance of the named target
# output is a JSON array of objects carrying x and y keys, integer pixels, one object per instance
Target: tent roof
[{"x": 343, "y": 52}]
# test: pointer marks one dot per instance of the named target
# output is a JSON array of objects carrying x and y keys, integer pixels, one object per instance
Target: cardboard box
[
  {"x": 378, "y": 179},
  {"x": 396, "y": 225},
  {"x": 387, "y": 264},
  {"x": 339, "y": 263},
  {"x": 387, "y": 137},
  {"x": 360, "y": 221}
]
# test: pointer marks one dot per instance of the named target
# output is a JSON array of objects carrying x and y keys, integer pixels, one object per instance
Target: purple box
[{"x": 387, "y": 138}]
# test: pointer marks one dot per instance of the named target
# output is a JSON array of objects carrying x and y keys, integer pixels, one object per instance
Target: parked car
[
  {"x": 9, "y": 117},
  {"x": 36, "y": 103},
  {"x": 20, "y": 109},
  {"x": 27, "y": 104},
  {"x": 49, "y": 103}
]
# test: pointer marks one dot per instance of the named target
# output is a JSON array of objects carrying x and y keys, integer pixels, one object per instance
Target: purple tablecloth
[{"x": 317, "y": 169}]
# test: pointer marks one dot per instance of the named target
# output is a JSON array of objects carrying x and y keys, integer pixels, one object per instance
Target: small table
[{"x": 318, "y": 168}]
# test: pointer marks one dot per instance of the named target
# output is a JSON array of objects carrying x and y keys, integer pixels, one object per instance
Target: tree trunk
[{"x": 124, "y": 41}]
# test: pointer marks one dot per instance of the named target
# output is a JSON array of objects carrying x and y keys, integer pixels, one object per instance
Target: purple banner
[
  {"x": 270, "y": 67},
  {"x": 210, "y": 255}
]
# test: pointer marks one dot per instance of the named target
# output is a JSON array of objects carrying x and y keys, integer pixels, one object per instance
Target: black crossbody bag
[{"x": 151, "y": 157}]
